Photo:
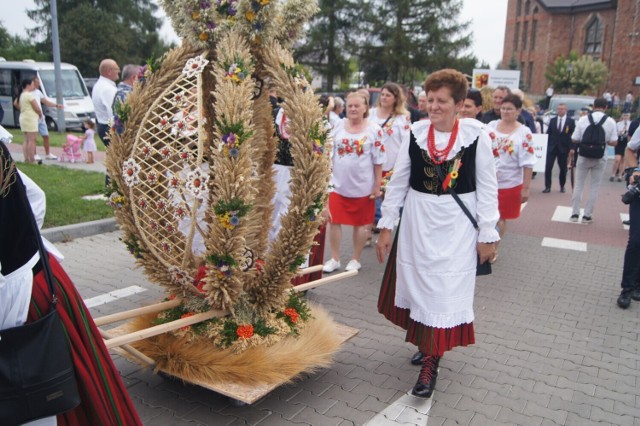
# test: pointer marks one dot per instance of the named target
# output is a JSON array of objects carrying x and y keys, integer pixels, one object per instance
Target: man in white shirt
[
  {"x": 42, "y": 123},
  {"x": 593, "y": 167},
  {"x": 102, "y": 96}
]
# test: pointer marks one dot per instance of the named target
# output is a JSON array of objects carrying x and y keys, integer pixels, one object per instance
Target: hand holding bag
[
  {"x": 481, "y": 268},
  {"x": 37, "y": 378}
]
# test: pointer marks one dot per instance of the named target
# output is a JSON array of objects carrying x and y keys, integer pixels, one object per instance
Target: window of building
[
  {"x": 530, "y": 76},
  {"x": 516, "y": 36},
  {"x": 527, "y": 7},
  {"x": 525, "y": 33},
  {"x": 519, "y": 8},
  {"x": 534, "y": 34},
  {"x": 593, "y": 42},
  {"x": 535, "y": 9}
]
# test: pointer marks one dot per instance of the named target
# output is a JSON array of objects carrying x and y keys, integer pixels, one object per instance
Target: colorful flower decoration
[
  {"x": 194, "y": 66},
  {"x": 178, "y": 275},
  {"x": 146, "y": 151},
  {"x": 161, "y": 206},
  {"x": 174, "y": 182},
  {"x": 236, "y": 73},
  {"x": 130, "y": 170},
  {"x": 142, "y": 204},
  {"x": 245, "y": 331},
  {"x": 163, "y": 123},
  {"x": 116, "y": 200},
  {"x": 229, "y": 145},
  {"x": 152, "y": 177},
  {"x": 197, "y": 182},
  {"x": 292, "y": 314}
]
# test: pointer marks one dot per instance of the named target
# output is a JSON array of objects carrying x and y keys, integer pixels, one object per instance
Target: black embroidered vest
[
  {"x": 18, "y": 242},
  {"x": 424, "y": 176}
]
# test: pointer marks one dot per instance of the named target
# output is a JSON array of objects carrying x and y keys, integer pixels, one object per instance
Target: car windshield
[
  {"x": 573, "y": 105},
  {"x": 72, "y": 86}
]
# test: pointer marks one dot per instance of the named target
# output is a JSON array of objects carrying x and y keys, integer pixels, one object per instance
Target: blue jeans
[{"x": 631, "y": 269}]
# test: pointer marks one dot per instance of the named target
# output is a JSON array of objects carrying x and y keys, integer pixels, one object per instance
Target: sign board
[
  {"x": 636, "y": 82},
  {"x": 495, "y": 78},
  {"x": 540, "y": 151}
]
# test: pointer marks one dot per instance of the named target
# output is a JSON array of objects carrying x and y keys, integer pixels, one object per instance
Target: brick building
[{"x": 538, "y": 31}]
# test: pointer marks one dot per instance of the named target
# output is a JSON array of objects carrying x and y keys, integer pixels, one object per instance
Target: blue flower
[
  {"x": 234, "y": 220},
  {"x": 233, "y": 152}
]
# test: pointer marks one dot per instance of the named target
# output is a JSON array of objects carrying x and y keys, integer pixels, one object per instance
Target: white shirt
[
  {"x": 102, "y": 96},
  {"x": 333, "y": 119},
  {"x": 39, "y": 95},
  {"x": 395, "y": 132},
  {"x": 609, "y": 126},
  {"x": 354, "y": 155},
  {"x": 623, "y": 127},
  {"x": 634, "y": 142},
  {"x": 512, "y": 153}
]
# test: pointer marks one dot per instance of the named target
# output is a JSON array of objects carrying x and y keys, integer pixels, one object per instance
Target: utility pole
[{"x": 56, "y": 64}]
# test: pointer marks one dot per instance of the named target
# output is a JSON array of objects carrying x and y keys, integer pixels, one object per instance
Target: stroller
[{"x": 72, "y": 150}]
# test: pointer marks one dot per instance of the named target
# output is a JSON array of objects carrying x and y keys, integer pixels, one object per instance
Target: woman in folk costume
[
  {"x": 429, "y": 281},
  {"x": 25, "y": 297}
]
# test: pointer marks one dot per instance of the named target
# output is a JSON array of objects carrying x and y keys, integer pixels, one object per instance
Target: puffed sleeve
[
  {"x": 487, "y": 213},
  {"x": 397, "y": 189},
  {"x": 526, "y": 153},
  {"x": 377, "y": 147}
]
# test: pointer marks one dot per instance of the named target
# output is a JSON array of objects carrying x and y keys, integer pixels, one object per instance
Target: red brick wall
[{"x": 558, "y": 34}]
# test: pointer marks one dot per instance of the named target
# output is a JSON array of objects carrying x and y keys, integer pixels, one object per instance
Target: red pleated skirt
[
  {"x": 105, "y": 400},
  {"x": 509, "y": 201},
  {"x": 429, "y": 340},
  {"x": 351, "y": 211},
  {"x": 315, "y": 258}
]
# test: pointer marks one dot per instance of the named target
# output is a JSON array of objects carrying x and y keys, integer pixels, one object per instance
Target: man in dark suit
[{"x": 560, "y": 130}]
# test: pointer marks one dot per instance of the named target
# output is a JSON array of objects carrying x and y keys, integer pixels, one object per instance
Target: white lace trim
[
  {"x": 468, "y": 132},
  {"x": 431, "y": 319}
]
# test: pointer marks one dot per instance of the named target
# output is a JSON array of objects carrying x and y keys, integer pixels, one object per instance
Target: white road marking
[
  {"x": 563, "y": 214},
  {"x": 624, "y": 216},
  {"x": 564, "y": 244},
  {"x": 114, "y": 295},
  {"x": 95, "y": 197},
  {"x": 407, "y": 409}
]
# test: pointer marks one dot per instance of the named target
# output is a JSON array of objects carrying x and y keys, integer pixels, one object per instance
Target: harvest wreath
[{"x": 192, "y": 178}]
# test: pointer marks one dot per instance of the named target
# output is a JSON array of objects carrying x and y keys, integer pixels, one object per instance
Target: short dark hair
[
  {"x": 452, "y": 79},
  {"x": 513, "y": 100},
  {"x": 600, "y": 103},
  {"x": 475, "y": 96}
]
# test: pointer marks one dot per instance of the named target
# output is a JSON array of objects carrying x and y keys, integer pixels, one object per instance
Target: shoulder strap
[
  {"x": 44, "y": 259},
  {"x": 458, "y": 200},
  {"x": 591, "y": 119},
  {"x": 387, "y": 120},
  {"x": 602, "y": 120}
]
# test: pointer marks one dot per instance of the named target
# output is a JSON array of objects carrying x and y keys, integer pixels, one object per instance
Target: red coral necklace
[{"x": 439, "y": 156}]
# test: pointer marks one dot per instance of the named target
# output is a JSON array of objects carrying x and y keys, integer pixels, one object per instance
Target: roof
[
  {"x": 573, "y": 6},
  {"x": 32, "y": 65}
]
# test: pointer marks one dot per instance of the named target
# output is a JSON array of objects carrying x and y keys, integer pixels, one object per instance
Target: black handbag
[
  {"x": 481, "y": 268},
  {"x": 37, "y": 378}
]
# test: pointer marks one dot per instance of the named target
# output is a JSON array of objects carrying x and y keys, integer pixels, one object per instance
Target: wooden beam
[
  {"x": 309, "y": 270},
  {"x": 325, "y": 280},
  {"x": 108, "y": 319},
  {"x": 162, "y": 328},
  {"x": 131, "y": 350}
]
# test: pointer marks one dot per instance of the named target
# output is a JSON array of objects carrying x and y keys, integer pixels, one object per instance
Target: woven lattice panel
[{"x": 168, "y": 175}]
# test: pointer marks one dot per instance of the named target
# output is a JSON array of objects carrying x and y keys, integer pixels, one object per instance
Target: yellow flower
[
  {"x": 195, "y": 15},
  {"x": 264, "y": 2},
  {"x": 250, "y": 16},
  {"x": 203, "y": 36}
]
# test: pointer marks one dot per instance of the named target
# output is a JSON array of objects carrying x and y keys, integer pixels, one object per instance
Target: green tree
[
  {"x": 91, "y": 30},
  {"x": 16, "y": 48},
  {"x": 576, "y": 74},
  {"x": 327, "y": 44},
  {"x": 405, "y": 37}
]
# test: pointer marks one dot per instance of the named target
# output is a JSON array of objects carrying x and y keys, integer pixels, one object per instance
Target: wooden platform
[{"x": 245, "y": 393}]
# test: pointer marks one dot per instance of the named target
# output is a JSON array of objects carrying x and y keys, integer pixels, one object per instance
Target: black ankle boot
[
  {"x": 417, "y": 358},
  {"x": 427, "y": 377}
]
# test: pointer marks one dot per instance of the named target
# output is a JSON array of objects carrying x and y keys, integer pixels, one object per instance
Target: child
[{"x": 89, "y": 143}]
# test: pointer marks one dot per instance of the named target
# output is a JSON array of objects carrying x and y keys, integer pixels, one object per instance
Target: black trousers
[
  {"x": 562, "y": 164},
  {"x": 103, "y": 133},
  {"x": 631, "y": 268}
]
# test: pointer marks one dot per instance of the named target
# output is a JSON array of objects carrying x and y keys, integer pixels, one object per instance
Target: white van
[{"x": 77, "y": 102}]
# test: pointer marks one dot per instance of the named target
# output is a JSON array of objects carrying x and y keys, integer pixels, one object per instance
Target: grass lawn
[
  {"x": 55, "y": 138},
  {"x": 64, "y": 189}
]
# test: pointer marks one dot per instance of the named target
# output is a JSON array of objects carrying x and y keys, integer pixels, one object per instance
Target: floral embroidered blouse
[
  {"x": 512, "y": 153},
  {"x": 354, "y": 155}
]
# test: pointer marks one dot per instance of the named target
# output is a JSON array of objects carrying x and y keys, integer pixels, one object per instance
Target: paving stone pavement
[{"x": 551, "y": 346}]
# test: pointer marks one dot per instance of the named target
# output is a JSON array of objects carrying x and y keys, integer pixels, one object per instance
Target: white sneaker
[
  {"x": 37, "y": 157},
  {"x": 353, "y": 265},
  {"x": 50, "y": 157},
  {"x": 331, "y": 265}
]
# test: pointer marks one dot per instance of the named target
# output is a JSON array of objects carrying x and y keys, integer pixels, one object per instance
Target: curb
[{"x": 80, "y": 230}]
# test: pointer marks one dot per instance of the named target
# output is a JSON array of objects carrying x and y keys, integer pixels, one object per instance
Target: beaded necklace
[{"x": 439, "y": 156}]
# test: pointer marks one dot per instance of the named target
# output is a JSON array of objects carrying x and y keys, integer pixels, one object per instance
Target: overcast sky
[{"x": 487, "y": 24}]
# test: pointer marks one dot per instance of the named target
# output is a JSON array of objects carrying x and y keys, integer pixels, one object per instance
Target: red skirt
[
  {"x": 105, "y": 400},
  {"x": 429, "y": 340},
  {"x": 315, "y": 258},
  {"x": 351, "y": 211},
  {"x": 509, "y": 201}
]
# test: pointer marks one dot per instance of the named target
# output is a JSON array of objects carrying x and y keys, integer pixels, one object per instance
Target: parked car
[
  {"x": 77, "y": 102},
  {"x": 574, "y": 103}
]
